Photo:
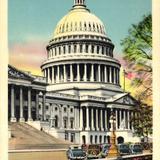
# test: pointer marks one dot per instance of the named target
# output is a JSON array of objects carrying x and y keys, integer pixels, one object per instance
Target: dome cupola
[{"x": 79, "y": 2}]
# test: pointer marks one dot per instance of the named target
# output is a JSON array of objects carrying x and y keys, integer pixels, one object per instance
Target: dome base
[{"x": 86, "y": 88}]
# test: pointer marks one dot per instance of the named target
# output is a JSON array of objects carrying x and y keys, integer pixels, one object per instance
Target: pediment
[
  {"x": 127, "y": 99},
  {"x": 15, "y": 73}
]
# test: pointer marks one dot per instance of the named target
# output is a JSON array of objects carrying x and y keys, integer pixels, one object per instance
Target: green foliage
[
  {"x": 137, "y": 50},
  {"x": 142, "y": 121}
]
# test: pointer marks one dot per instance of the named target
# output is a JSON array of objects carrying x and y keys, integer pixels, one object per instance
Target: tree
[
  {"x": 137, "y": 50},
  {"x": 142, "y": 121}
]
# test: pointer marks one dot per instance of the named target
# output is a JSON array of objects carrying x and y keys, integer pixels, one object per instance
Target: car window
[{"x": 78, "y": 152}]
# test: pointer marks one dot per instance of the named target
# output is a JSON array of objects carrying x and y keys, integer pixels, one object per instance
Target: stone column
[
  {"x": 21, "y": 105},
  {"x": 115, "y": 75},
  {"x": 13, "y": 118},
  {"x": 71, "y": 73},
  {"x": 61, "y": 118},
  {"x": 29, "y": 105},
  {"x": 92, "y": 73},
  {"x": 124, "y": 115},
  {"x": 101, "y": 112},
  {"x": 120, "y": 118},
  {"x": 53, "y": 74},
  {"x": 64, "y": 73},
  {"x": 81, "y": 118},
  {"x": 110, "y": 75},
  {"x": 37, "y": 105},
  {"x": 132, "y": 115},
  {"x": 128, "y": 119},
  {"x": 85, "y": 72},
  {"x": 78, "y": 73},
  {"x": 44, "y": 106},
  {"x": 68, "y": 116},
  {"x": 118, "y": 76},
  {"x": 92, "y": 119},
  {"x": 44, "y": 71},
  {"x": 105, "y": 73},
  {"x": 99, "y": 73},
  {"x": 87, "y": 118},
  {"x": 48, "y": 75},
  {"x": 116, "y": 119},
  {"x": 57, "y": 75},
  {"x": 97, "y": 127},
  {"x": 75, "y": 117},
  {"x": 105, "y": 120}
]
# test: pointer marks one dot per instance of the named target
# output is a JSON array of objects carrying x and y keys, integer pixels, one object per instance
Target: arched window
[
  {"x": 65, "y": 122},
  {"x": 93, "y": 27},
  {"x": 67, "y": 26},
  {"x": 91, "y": 139},
  {"x": 75, "y": 48},
  {"x": 64, "y": 49},
  {"x": 102, "y": 50},
  {"x": 97, "y": 28},
  {"x": 75, "y": 26},
  {"x": 80, "y": 25},
  {"x": 95, "y": 139},
  {"x": 84, "y": 139},
  {"x": 97, "y": 49},
  {"x": 105, "y": 139},
  {"x": 69, "y": 49},
  {"x": 100, "y": 139},
  {"x": 92, "y": 49},
  {"x": 89, "y": 27},
  {"x": 56, "y": 121},
  {"x": 55, "y": 51},
  {"x": 85, "y": 26},
  {"x": 71, "y": 27},
  {"x": 80, "y": 48},
  {"x": 59, "y": 48},
  {"x": 63, "y": 28},
  {"x": 86, "y": 48}
]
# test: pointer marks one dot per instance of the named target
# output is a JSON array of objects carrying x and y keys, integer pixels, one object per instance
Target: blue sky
[{"x": 33, "y": 22}]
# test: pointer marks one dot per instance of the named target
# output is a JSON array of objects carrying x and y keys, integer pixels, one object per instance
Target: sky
[{"x": 32, "y": 23}]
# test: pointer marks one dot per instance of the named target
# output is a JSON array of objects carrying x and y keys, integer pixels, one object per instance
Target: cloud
[{"x": 28, "y": 55}]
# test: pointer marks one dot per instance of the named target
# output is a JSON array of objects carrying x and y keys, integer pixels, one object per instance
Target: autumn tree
[{"x": 137, "y": 50}]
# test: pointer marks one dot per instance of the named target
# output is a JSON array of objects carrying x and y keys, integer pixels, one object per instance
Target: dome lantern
[{"x": 79, "y": 2}]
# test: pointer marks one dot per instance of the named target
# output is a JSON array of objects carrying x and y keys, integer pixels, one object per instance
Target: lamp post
[{"x": 113, "y": 151}]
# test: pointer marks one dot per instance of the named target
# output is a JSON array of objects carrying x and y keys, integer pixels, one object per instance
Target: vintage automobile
[
  {"x": 136, "y": 148},
  {"x": 75, "y": 152},
  {"x": 124, "y": 149},
  {"x": 105, "y": 149},
  {"x": 93, "y": 151}
]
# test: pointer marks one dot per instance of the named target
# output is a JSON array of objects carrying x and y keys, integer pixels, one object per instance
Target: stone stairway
[{"x": 24, "y": 136}]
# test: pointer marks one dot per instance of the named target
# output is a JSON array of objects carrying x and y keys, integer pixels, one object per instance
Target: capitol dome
[
  {"x": 80, "y": 56},
  {"x": 79, "y": 20}
]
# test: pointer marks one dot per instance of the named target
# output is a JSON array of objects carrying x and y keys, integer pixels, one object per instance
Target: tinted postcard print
[{"x": 79, "y": 73}]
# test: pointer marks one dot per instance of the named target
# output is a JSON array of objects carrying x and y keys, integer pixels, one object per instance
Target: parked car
[
  {"x": 124, "y": 149},
  {"x": 105, "y": 149},
  {"x": 93, "y": 151},
  {"x": 76, "y": 153},
  {"x": 136, "y": 149}
]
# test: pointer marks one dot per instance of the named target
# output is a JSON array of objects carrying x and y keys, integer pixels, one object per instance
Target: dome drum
[
  {"x": 82, "y": 72},
  {"x": 79, "y": 47}
]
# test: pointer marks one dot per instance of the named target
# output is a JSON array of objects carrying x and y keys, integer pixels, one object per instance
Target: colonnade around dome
[{"x": 82, "y": 73}]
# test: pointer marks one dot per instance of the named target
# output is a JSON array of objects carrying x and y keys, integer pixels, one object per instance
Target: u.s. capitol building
[{"x": 80, "y": 87}]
